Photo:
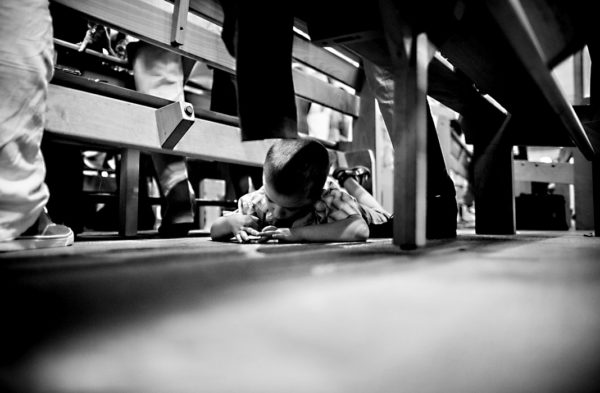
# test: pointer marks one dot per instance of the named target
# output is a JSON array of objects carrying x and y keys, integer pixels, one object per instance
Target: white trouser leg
[
  {"x": 26, "y": 53},
  {"x": 159, "y": 72}
]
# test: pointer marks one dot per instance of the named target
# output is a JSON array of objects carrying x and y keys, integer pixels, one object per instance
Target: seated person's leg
[
  {"x": 160, "y": 72},
  {"x": 223, "y": 96},
  {"x": 266, "y": 110},
  {"x": 25, "y": 68},
  {"x": 178, "y": 215}
]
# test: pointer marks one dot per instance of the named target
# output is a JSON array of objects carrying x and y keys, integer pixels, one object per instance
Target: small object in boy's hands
[
  {"x": 260, "y": 238},
  {"x": 267, "y": 233},
  {"x": 248, "y": 239}
]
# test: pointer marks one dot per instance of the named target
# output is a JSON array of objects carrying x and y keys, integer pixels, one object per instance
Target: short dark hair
[{"x": 297, "y": 166}]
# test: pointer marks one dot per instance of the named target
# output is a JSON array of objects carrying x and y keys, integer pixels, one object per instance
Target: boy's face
[{"x": 285, "y": 207}]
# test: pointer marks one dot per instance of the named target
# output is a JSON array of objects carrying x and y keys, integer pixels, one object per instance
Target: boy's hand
[
  {"x": 281, "y": 234},
  {"x": 244, "y": 227}
]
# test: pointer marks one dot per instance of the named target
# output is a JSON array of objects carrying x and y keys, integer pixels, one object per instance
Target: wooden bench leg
[
  {"x": 409, "y": 138},
  {"x": 129, "y": 176},
  {"x": 493, "y": 185},
  {"x": 594, "y": 49},
  {"x": 596, "y": 186},
  {"x": 584, "y": 193}
]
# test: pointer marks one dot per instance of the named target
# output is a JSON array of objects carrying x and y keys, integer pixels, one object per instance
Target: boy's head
[{"x": 294, "y": 173}]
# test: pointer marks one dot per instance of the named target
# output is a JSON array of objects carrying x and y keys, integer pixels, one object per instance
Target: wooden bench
[
  {"x": 506, "y": 50},
  {"x": 528, "y": 38},
  {"x": 481, "y": 42},
  {"x": 103, "y": 114}
]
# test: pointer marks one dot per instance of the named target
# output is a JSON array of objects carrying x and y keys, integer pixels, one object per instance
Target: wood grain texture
[
  {"x": 410, "y": 56},
  {"x": 173, "y": 122},
  {"x": 557, "y": 26},
  {"x": 151, "y": 20},
  {"x": 179, "y": 21},
  {"x": 512, "y": 19},
  {"x": 123, "y": 124},
  {"x": 478, "y": 314},
  {"x": 303, "y": 50}
]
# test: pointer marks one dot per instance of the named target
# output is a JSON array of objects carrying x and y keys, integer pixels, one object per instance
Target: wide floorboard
[{"x": 475, "y": 314}]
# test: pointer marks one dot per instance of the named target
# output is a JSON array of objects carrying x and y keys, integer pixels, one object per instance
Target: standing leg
[{"x": 26, "y": 53}]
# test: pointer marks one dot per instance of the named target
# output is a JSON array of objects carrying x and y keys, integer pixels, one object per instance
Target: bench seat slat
[
  {"x": 303, "y": 50},
  {"x": 151, "y": 19},
  {"x": 513, "y": 22},
  {"x": 93, "y": 117}
]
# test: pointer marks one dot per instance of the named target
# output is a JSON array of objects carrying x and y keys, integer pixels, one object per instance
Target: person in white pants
[
  {"x": 160, "y": 72},
  {"x": 26, "y": 66}
]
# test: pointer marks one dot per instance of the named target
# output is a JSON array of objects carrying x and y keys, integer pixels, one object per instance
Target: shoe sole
[{"x": 36, "y": 242}]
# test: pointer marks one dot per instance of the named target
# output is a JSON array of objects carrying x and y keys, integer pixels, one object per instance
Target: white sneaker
[{"x": 42, "y": 234}]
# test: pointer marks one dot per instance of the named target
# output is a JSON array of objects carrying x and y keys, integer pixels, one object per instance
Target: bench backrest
[{"x": 152, "y": 20}]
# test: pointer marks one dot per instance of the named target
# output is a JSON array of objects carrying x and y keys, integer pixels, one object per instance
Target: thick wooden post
[
  {"x": 410, "y": 145},
  {"x": 410, "y": 55}
]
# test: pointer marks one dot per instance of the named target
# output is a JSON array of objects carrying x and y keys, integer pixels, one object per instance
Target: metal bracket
[
  {"x": 173, "y": 121},
  {"x": 179, "y": 22}
]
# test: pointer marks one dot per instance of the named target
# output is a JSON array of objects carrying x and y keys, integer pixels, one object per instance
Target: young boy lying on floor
[{"x": 300, "y": 203}]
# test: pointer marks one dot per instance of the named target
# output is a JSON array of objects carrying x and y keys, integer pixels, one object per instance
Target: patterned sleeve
[
  {"x": 253, "y": 204},
  {"x": 327, "y": 212},
  {"x": 326, "y": 209}
]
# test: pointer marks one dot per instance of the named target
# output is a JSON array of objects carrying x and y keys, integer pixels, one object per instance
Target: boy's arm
[
  {"x": 227, "y": 226},
  {"x": 350, "y": 229}
]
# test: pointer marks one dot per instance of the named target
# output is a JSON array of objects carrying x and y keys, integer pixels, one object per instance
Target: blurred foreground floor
[{"x": 476, "y": 314}]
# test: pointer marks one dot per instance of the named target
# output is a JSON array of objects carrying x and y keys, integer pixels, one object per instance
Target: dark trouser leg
[
  {"x": 262, "y": 45},
  {"x": 223, "y": 96}
]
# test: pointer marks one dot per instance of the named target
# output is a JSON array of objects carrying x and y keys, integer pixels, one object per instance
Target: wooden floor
[{"x": 477, "y": 314}]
